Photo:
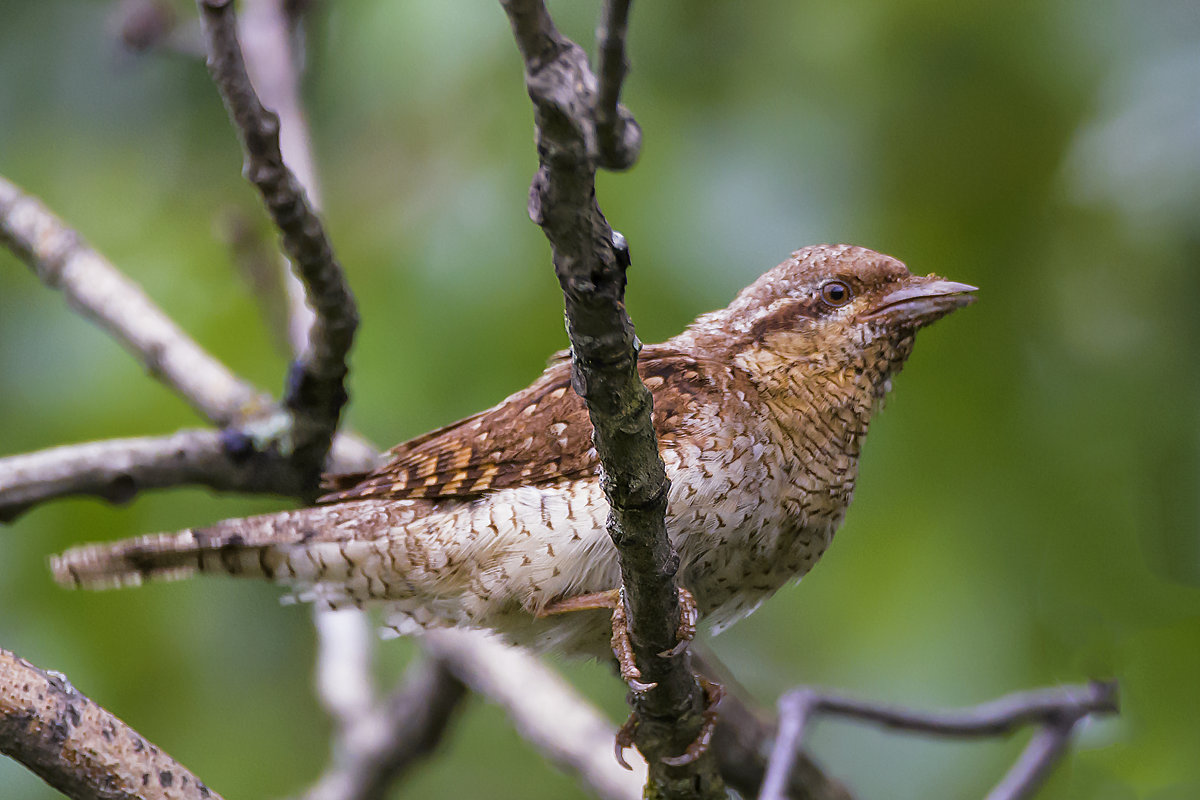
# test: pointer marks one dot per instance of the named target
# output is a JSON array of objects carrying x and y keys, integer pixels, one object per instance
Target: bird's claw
[
  {"x": 624, "y": 740},
  {"x": 712, "y": 696}
]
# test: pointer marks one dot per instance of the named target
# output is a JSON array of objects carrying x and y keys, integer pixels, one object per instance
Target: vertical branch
[
  {"x": 316, "y": 391},
  {"x": 619, "y": 137},
  {"x": 268, "y": 33},
  {"x": 590, "y": 265}
]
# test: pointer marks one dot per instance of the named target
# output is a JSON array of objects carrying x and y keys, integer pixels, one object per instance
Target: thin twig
[
  {"x": 316, "y": 388},
  {"x": 544, "y": 709},
  {"x": 743, "y": 737},
  {"x": 267, "y": 34},
  {"x": 394, "y": 736},
  {"x": 1056, "y": 710},
  {"x": 78, "y": 747},
  {"x": 1037, "y": 761},
  {"x": 96, "y": 289},
  {"x": 590, "y": 265},
  {"x": 618, "y": 136}
]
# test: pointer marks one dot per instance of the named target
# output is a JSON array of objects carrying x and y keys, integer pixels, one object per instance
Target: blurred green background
[{"x": 1028, "y": 510}]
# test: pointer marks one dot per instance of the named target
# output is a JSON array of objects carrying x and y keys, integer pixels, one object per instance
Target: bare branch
[
  {"x": 743, "y": 737},
  {"x": 267, "y": 34},
  {"x": 118, "y": 469},
  {"x": 343, "y": 671},
  {"x": 316, "y": 388},
  {"x": 544, "y": 709},
  {"x": 98, "y": 291},
  {"x": 1037, "y": 761},
  {"x": 590, "y": 264},
  {"x": 79, "y": 748},
  {"x": 393, "y": 737},
  {"x": 1057, "y": 710},
  {"x": 619, "y": 138}
]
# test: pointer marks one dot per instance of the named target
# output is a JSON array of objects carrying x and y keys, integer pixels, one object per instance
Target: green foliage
[{"x": 1027, "y": 512}]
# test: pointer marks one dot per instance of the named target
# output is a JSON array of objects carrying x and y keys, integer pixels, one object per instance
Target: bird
[{"x": 498, "y": 520}]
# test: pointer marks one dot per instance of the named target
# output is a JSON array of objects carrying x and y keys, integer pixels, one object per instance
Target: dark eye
[{"x": 836, "y": 293}]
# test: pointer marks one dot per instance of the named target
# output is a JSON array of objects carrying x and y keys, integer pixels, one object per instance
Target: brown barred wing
[{"x": 538, "y": 435}]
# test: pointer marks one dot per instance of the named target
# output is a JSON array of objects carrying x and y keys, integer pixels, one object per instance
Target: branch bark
[
  {"x": 590, "y": 264},
  {"x": 79, "y": 748},
  {"x": 316, "y": 390},
  {"x": 119, "y": 469}
]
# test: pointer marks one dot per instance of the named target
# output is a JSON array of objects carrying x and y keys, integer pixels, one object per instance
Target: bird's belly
[{"x": 731, "y": 581}]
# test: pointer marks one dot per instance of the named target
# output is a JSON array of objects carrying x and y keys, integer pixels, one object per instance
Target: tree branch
[
  {"x": 79, "y": 748},
  {"x": 119, "y": 469},
  {"x": 268, "y": 33},
  {"x": 96, "y": 289},
  {"x": 394, "y": 736},
  {"x": 619, "y": 138},
  {"x": 590, "y": 265},
  {"x": 1056, "y": 710},
  {"x": 543, "y": 708},
  {"x": 743, "y": 737},
  {"x": 316, "y": 390}
]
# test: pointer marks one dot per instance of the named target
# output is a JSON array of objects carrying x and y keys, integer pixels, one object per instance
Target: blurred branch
[
  {"x": 743, "y": 737},
  {"x": 269, "y": 31},
  {"x": 145, "y": 26},
  {"x": 78, "y": 747},
  {"x": 544, "y": 709},
  {"x": 590, "y": 264},
  {"x": 315, "y": 391},
  {"x": 96, "y": 289},
  {"x": 393, "y": 736},
  {"x": 619, "y": 138},
  {"x": 1057, "y": 711}
]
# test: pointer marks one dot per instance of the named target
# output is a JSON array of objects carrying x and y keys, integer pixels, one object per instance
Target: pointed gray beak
[{"x": 923, "y": 302}]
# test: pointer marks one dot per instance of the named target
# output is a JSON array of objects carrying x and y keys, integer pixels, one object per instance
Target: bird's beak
[{"x": 922, "y": 301}]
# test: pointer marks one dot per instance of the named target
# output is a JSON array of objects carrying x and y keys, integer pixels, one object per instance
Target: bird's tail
[{"x": 287, "y": 546}]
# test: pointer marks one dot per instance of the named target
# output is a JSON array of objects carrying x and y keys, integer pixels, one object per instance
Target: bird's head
[{"x": 840, "y": 311}]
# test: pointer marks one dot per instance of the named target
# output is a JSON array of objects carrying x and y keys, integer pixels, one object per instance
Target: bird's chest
[{"x": 747, "y": 518}]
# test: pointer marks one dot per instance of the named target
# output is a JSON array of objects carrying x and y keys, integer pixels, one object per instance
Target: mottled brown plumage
[{"x": 760, "y": 410}]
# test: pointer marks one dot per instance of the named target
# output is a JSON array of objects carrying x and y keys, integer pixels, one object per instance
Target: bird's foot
[
  {"x": 624, "y": 740},
  {"x": 614, "y": 600},
  {"x": 686, "y": 632},
  {"x": 713, "y": 692}
]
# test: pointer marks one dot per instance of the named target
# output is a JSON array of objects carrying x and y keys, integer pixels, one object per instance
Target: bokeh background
[{"x": 1028, "y": 510}]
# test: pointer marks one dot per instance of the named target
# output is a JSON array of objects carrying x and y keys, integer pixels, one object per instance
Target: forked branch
[{"x": 1057, "y": 712}]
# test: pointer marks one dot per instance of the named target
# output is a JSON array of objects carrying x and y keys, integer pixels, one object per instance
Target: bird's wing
[{"x": 538, "y": 435}]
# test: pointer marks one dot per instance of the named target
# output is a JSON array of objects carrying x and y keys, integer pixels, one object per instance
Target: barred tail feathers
[{"x": 286, "y": 546}]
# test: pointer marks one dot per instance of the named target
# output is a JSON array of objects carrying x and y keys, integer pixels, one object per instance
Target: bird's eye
[{"x": 836, "y": 293}]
